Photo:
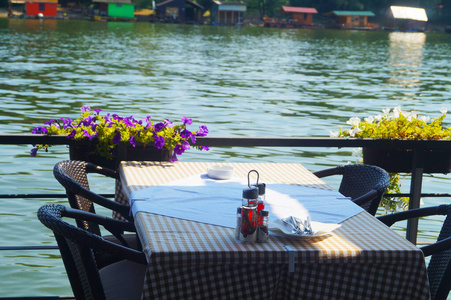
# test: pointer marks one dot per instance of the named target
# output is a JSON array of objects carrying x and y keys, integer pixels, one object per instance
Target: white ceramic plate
[
  {"x": 220, "y": 172},
  {"x": 319, "y": 229}
]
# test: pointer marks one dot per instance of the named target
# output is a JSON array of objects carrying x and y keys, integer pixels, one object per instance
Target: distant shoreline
[{"x": 71, "y": 14}]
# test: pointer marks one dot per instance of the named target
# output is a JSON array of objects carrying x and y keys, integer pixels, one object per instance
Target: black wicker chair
[
  {"x": 364, "y": 184},
  {"x": 439, "y": 268},
  {"x": 122, "y": 279},
  {"x": 73, "y": 176}
]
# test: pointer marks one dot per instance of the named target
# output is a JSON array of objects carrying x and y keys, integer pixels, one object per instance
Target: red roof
[{"x": 304, "y": 10}]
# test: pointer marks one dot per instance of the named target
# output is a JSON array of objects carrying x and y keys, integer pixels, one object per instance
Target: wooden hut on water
[
  {"x": 227, "y": 13},
  {"x": 179, "y": 11},
  {"x": 300, "y": 16},
  {"x": 115, "y": 9},
  {"x": 350, "y": 19},
  {"x": 36, "y": 8},
  {"x": 403, "y": 18}
]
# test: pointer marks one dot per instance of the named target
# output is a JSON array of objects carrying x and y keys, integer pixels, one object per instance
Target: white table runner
[{"x": 199, "y": 198}]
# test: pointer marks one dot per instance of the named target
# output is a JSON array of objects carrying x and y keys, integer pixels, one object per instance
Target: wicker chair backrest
[
  {"x": 364, "y": 184},
  {"x": 78, "y": 257},
  {"x": 73, "y": 177},
  {"x": 439, "y": 268}
]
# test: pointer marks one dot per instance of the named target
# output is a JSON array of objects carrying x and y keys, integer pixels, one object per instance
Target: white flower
[
  {"x": 409, "y": 116},
  {"x": 443, "y": 110},
  {"x": 354, "y": 121},
  {"x": 425, "y": 119},
  {"x": 370, "y": 119},
  {"x": 354, "y": 131},
  {"x": 397, "y": 111},
  {"x": 386, "y": 111},
  {"x": 378, "y": 117},
  {"x": 334, "y": 134}
]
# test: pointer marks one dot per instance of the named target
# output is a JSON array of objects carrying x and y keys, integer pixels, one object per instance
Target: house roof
[
  {"x": 231, "y": 3},
  {"x": 294, "y": 9},
  {"x": 411, "y": 13},
  {"x": 188, "y": 1},
  {"x": 351, "y": 13},
  {"x": 113, "y": 1}
]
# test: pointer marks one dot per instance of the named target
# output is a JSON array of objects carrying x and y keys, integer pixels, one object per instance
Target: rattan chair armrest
[
  {"x": 365, "y": 198},
  {"x": 326, "y": 172},
  {"x": 92, "y": 168},
  {"x": 391, "y": 219},
  {"x": 107, "y": 222},
  {"x": 124, "y": 210},
  {"x": 437, "y": 247}
]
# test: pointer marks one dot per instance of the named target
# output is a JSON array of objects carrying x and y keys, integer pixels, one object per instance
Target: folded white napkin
[{"x": 202, "y": 199}]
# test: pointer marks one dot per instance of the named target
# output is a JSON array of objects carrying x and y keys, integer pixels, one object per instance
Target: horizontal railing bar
[
  {"x": 44, "y": 195},
  {"x": 38, "y": 298},
  {"x": 28, "y": 248},
  {"x": 18, "y": 139},
  {"x": 425, "y": 195}
]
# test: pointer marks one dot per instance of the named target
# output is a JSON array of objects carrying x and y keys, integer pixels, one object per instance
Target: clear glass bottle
[
  {"x": 261, "y": 196},
  {"x": 262, "y": 231},
  {"x": 249, "y": 215},
  {"x": 238, "y": 223}
]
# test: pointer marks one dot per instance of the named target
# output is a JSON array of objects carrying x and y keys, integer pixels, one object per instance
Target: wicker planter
[
  {"x": 400, "y": 160},
  {"x": 123, "y": 152}
]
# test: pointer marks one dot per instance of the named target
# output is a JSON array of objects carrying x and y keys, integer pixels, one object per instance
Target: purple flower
[
  {"x": 49, "y": 122},
  {"x": 159, "y": 126},
  {"x": 186, "y": 145},
  {"x": 86, "y": 134},
  {"x": 173, "y": 158},
  {"x": 186, "y": 134},
  {"x": 33, "y": 152},
  {"x": 97, "y": 110},
  {"x": 148, "y": 119},
  {"x": 179, "y": 149},
  {"x": 203, "y": 130},
  {"x": 159, "y": 142},
  {"x": 67, "y": 122},
  {"x": 204, "y": 148},
  {"x": 193, "y": 139},
  {"x": 133, "y": 141},
  {"x": 187, "y": 121},
  {"x": 168, "y": 123},
  {"x": 85, "y": 108},
  {"x": 117, "y": 137},
  {"x": 39, "y": 130},
  {"x": 88, "y": 120},
  {"x": 72, "y": 134}
]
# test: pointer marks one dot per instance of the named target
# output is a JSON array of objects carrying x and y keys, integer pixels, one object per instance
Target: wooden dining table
[{"x": 191, "y": 259}]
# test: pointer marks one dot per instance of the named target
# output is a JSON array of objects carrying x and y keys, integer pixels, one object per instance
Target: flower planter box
[
  {"x": 400, "y": 160},
  {"x": 124, "y": 152}
]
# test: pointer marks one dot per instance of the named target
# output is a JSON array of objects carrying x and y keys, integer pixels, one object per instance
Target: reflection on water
[
  {"x": 246, "y": 81},
  {"x": 406, "y": 54}
]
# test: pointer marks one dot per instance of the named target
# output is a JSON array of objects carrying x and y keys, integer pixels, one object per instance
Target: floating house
[
  {"x": 227, "y": 13},
  {"x": 38, "y": 8},
  {"x": 350, "y": 19},
  {"x": 117, "y": 9},
  {"x": 405, "y": 18},
  {"x": 179, "y": 11},
  {"x": 300, "y": 16}
]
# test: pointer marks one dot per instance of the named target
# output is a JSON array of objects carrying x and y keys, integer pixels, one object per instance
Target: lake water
[{"x": 239, "y": 81}]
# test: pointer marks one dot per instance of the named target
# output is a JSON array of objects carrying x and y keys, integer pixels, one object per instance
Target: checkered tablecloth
[{"x": 363, "y": 259}]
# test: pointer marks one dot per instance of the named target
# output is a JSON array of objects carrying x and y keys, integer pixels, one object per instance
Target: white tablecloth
[{"x": 199, "y": 198}]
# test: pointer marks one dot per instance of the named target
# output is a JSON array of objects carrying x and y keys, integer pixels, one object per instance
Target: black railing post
[{"x": 416, "y": 182}]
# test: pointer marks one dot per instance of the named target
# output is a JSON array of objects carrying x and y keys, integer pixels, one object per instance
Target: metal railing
[{"x": 417, "y": 146}]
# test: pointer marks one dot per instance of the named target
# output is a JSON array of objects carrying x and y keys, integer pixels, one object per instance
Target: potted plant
[
  {"x": 111, "y": 138},
  {"x": 399, "y": 124}
]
